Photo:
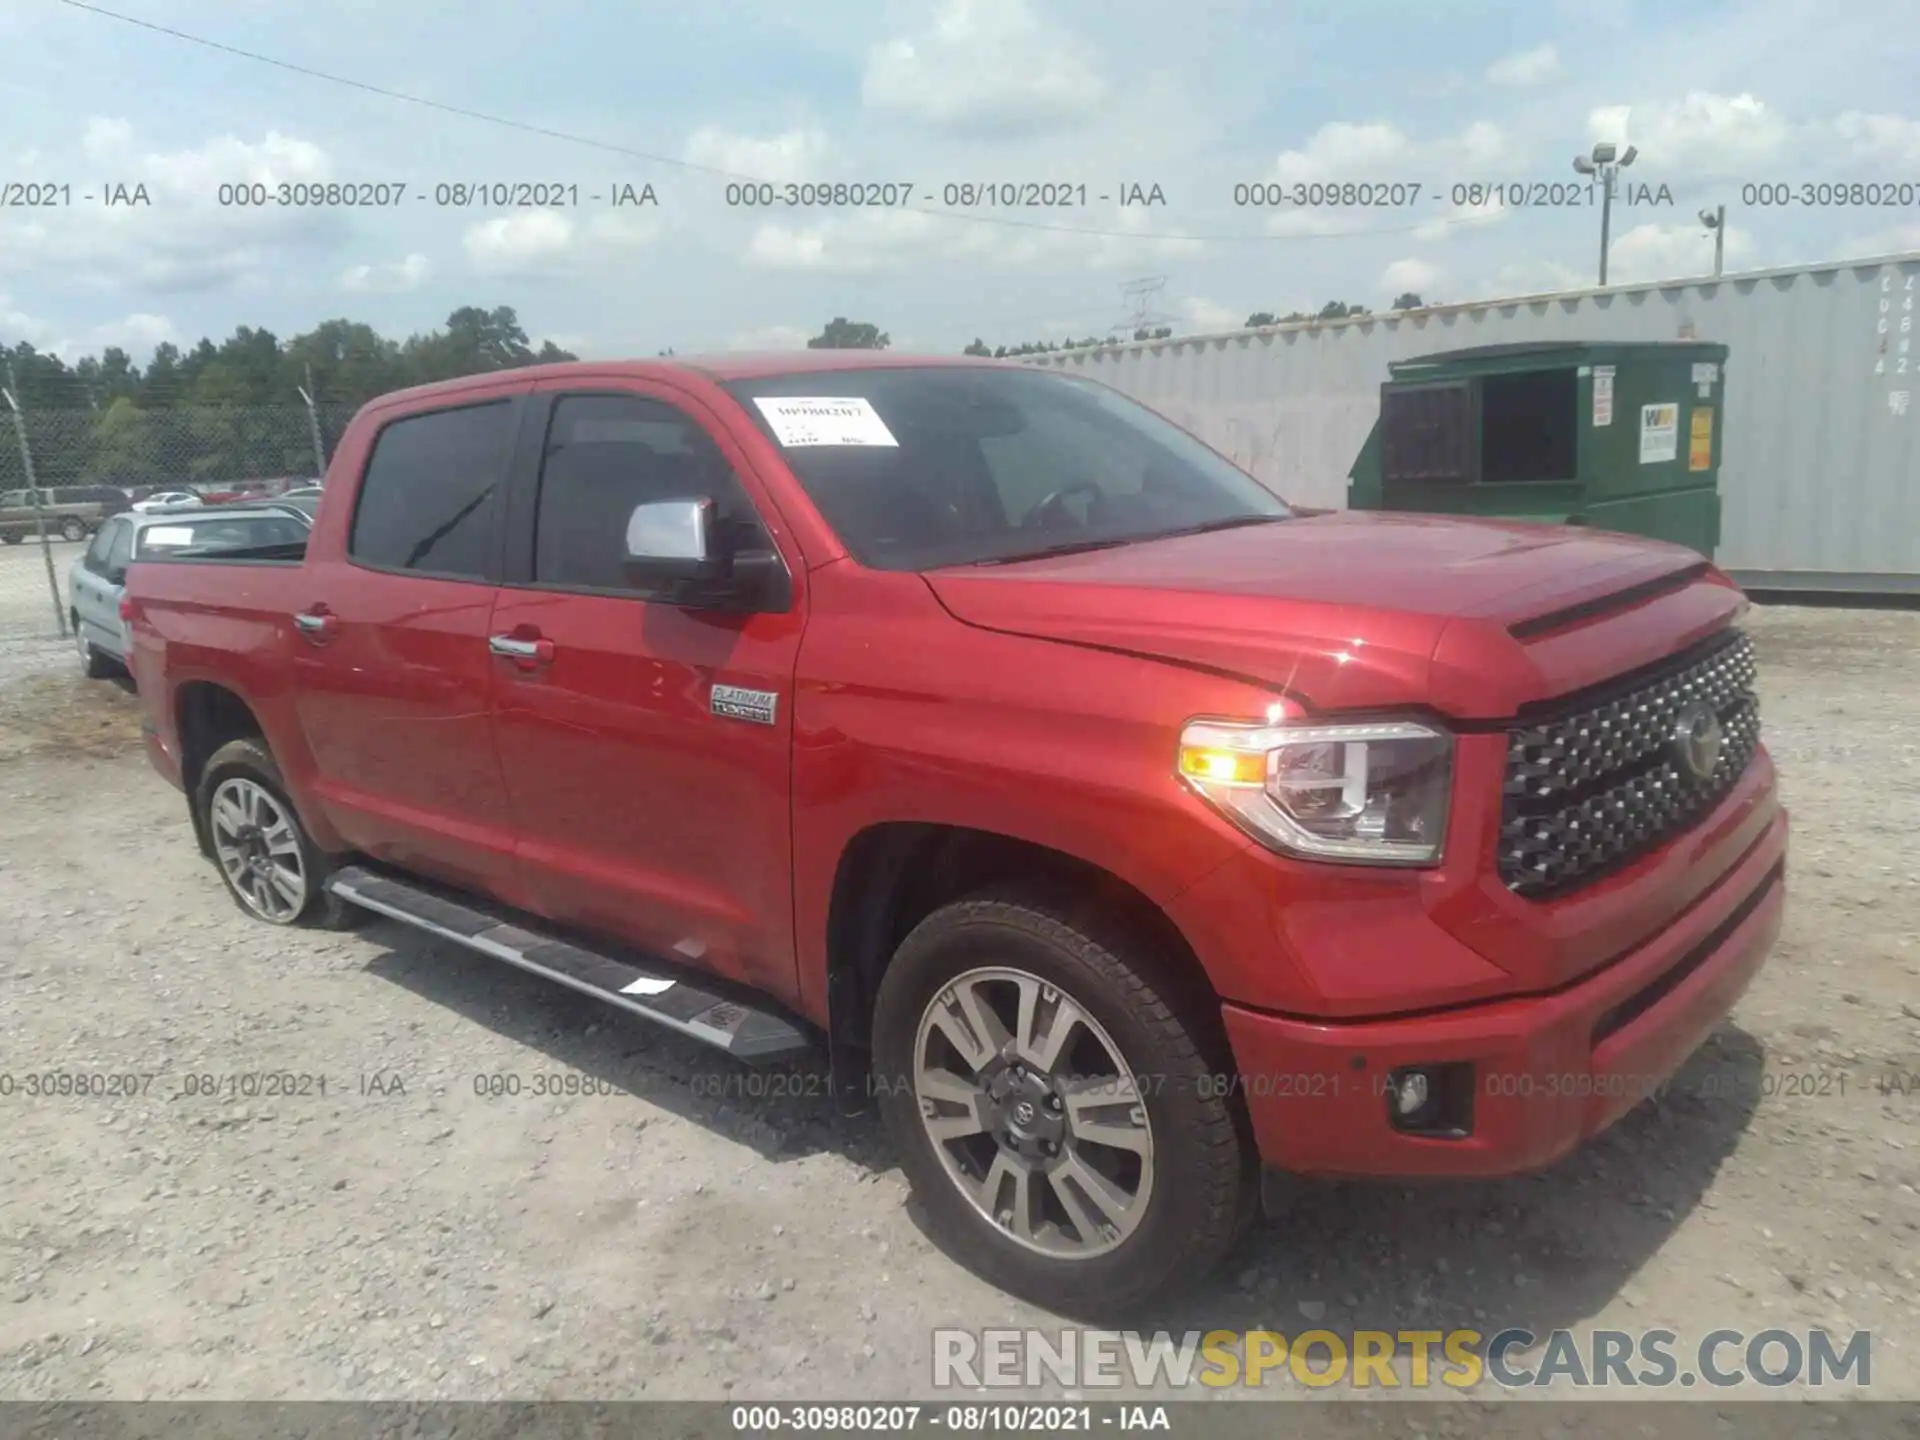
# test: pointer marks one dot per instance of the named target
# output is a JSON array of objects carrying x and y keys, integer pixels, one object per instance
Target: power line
[{"x": 610, "y": 147}]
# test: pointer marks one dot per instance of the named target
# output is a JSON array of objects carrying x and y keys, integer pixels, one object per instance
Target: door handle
[
  {"x": 315, "y": 624},
  {"x": 523, "y": 651}
]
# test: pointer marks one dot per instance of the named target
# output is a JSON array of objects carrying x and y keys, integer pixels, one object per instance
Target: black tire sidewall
[
  {"x": 251, "y": 759},
  {"x": 1178, "y": 1097}
]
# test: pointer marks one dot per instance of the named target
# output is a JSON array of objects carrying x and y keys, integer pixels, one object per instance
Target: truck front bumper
[{"x": 1526, "y": 1080}]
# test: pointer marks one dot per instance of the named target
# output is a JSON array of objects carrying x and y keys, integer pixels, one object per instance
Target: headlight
[{"x": 1373, "y": 794}]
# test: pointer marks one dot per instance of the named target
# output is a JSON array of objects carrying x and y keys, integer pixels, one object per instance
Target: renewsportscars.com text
[{"x": 1513, "y": 1358}]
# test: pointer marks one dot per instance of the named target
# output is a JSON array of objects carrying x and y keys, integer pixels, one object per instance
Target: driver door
[{"x": 646, "y": 807}]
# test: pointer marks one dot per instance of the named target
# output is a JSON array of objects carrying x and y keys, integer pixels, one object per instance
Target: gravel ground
[{"x": 402, "y": 1235}]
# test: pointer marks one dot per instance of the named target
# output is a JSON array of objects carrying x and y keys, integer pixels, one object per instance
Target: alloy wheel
[
  {"x": 258, "y": 849},
  {"x": 1035, "y": 1114}
]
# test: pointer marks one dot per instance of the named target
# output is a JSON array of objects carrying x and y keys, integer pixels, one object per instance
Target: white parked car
[
  {"x": 99, "y": 575},
  {"x": 167, "y": 500}
]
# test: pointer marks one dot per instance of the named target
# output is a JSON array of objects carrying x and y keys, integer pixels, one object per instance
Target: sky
[{"x": 1195, "y": 112}]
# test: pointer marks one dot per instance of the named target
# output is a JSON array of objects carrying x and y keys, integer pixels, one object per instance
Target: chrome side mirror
[{"x": 671, "y": 540}]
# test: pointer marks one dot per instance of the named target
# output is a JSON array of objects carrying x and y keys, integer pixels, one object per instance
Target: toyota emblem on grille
[{"x": 1698, "y": 739}]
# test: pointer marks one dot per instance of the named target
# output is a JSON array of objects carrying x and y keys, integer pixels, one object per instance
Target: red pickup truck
[{"x": 1127, "y": 836}]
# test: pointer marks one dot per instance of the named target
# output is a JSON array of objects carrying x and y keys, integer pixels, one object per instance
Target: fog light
[{"x": 1435, "y": 1101}]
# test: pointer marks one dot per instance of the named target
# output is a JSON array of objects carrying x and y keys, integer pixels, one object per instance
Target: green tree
[
  {"x": 1408, "y": 301},
  {"x": 125, "y": 446},
  {"x": 841, "y": 333},
  {"x": 978, "y": 347},
  {"x": 230, "y": 410}
]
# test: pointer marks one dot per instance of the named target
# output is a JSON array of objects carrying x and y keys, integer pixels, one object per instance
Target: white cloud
[
  {"x": 1531, "y": 277},
  {"x": 791, "y": 155},
  {"x": 184, "y": 238},
  {"x": 105, "y": 138},
  {"x": 17, "y": 325},
  {"x": 551, "y": 242},
  {"x": 769, "y": 337},
  {"x": 1672, "y": 252},
  {"x": 1344, "y": 151},
  {"x": 1879, "y": 139},
  {"x": 1373, "y": 153},
  {"x": 1740, "y": 137},
  {"x": 876, "y": 241},
  {"x": 391, "y": 278},
  {"x": 1527, "y": 67},
  {"x": 1419, "y": 276},
  {"x": 137, "y": 334},
  {"x": 518, "y": 244},
  {"x": 985, "y": 66},
  {"x": 276, "y": 160},
  {"x": 1205, "y": 316},
  {"x": 1894, "y": 240},
  {"x": 1706, "y": 135}
]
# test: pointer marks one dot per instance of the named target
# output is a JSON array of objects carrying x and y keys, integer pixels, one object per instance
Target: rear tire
[
  {"x": 270, "y": 865},
  {"x": 72, "y": 528},
  {"x": 1137, "y": 1176},
  {"x": 93, "y": 664},
  {"x": 12, "y": 539}
]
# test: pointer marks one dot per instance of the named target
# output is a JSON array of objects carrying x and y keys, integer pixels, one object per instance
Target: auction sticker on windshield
[{"x": 824, "y": 420}]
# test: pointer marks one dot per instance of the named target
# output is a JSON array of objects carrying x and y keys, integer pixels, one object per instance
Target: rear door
[
  {"x": 643, "y": 813},
  {"x": 392, "y": 677}
]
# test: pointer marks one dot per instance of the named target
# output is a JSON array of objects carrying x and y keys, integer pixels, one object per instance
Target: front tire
[
  {"x": 271, "y": 867},
  {"x": 73, "y": 529},
  {"x": 1055, "y": 1105}
]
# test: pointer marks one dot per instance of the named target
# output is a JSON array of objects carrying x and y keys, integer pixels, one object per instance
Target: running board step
[{"x": 757, "y": 1036}]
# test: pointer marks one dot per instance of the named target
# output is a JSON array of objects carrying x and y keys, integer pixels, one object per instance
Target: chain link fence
[{"x": 64, "y": 471}]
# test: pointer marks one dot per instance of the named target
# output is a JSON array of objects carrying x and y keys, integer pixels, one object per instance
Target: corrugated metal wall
[{"x": 1820, "y": 473}]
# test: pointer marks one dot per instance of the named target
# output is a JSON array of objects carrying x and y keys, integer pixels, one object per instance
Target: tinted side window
[
  {"x": 426, "y": 502},
  {"x": 120, "y": 550},
  {"x": 97, "y": 551},
  {"x": 605, "y": 454}
]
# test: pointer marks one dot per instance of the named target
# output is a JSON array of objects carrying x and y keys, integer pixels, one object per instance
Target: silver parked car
[{"x": 98, "y": 578}]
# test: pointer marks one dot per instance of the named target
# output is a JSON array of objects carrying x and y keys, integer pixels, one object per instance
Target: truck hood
[{"x": 1354, "y": 610}]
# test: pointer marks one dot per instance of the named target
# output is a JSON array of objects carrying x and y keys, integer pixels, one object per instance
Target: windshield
[{"x": 970, "y": 464}]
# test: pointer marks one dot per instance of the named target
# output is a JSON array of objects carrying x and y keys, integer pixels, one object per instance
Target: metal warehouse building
[{"x": 1820, "y": 467}]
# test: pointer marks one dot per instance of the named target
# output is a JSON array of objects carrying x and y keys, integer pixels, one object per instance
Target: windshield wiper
[
  {"x": 1075, "y": 547},
  {"x": 1232, "y": 522},
  {"x": 1066, "y": 547}
]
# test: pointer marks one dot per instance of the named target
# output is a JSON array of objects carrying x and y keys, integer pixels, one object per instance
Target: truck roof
[{"x": 724, "y": 366}]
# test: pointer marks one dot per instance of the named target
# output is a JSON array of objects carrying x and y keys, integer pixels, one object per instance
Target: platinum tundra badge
[{"x": 737, "y": 703}]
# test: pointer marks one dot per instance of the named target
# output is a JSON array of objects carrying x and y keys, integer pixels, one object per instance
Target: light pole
[
  {"x": 1716, "y": 221},
  {"x": 1602, "y": 163}
]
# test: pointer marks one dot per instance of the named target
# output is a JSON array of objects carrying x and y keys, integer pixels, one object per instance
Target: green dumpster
[{"x": 1619, "y": 436}]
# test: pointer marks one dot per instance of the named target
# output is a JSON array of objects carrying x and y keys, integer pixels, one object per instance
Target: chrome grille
[{"x": 1590, "y": 789}]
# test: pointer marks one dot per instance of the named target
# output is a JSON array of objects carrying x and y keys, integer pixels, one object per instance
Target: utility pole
[
  {"x": 313, "y": 428},
  {"x": 1603, "y": 164},
  {"x": 11, "y": 391},
  {"x": 1716, "y": 221},
  {"x": 1141, "y": 294}
]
